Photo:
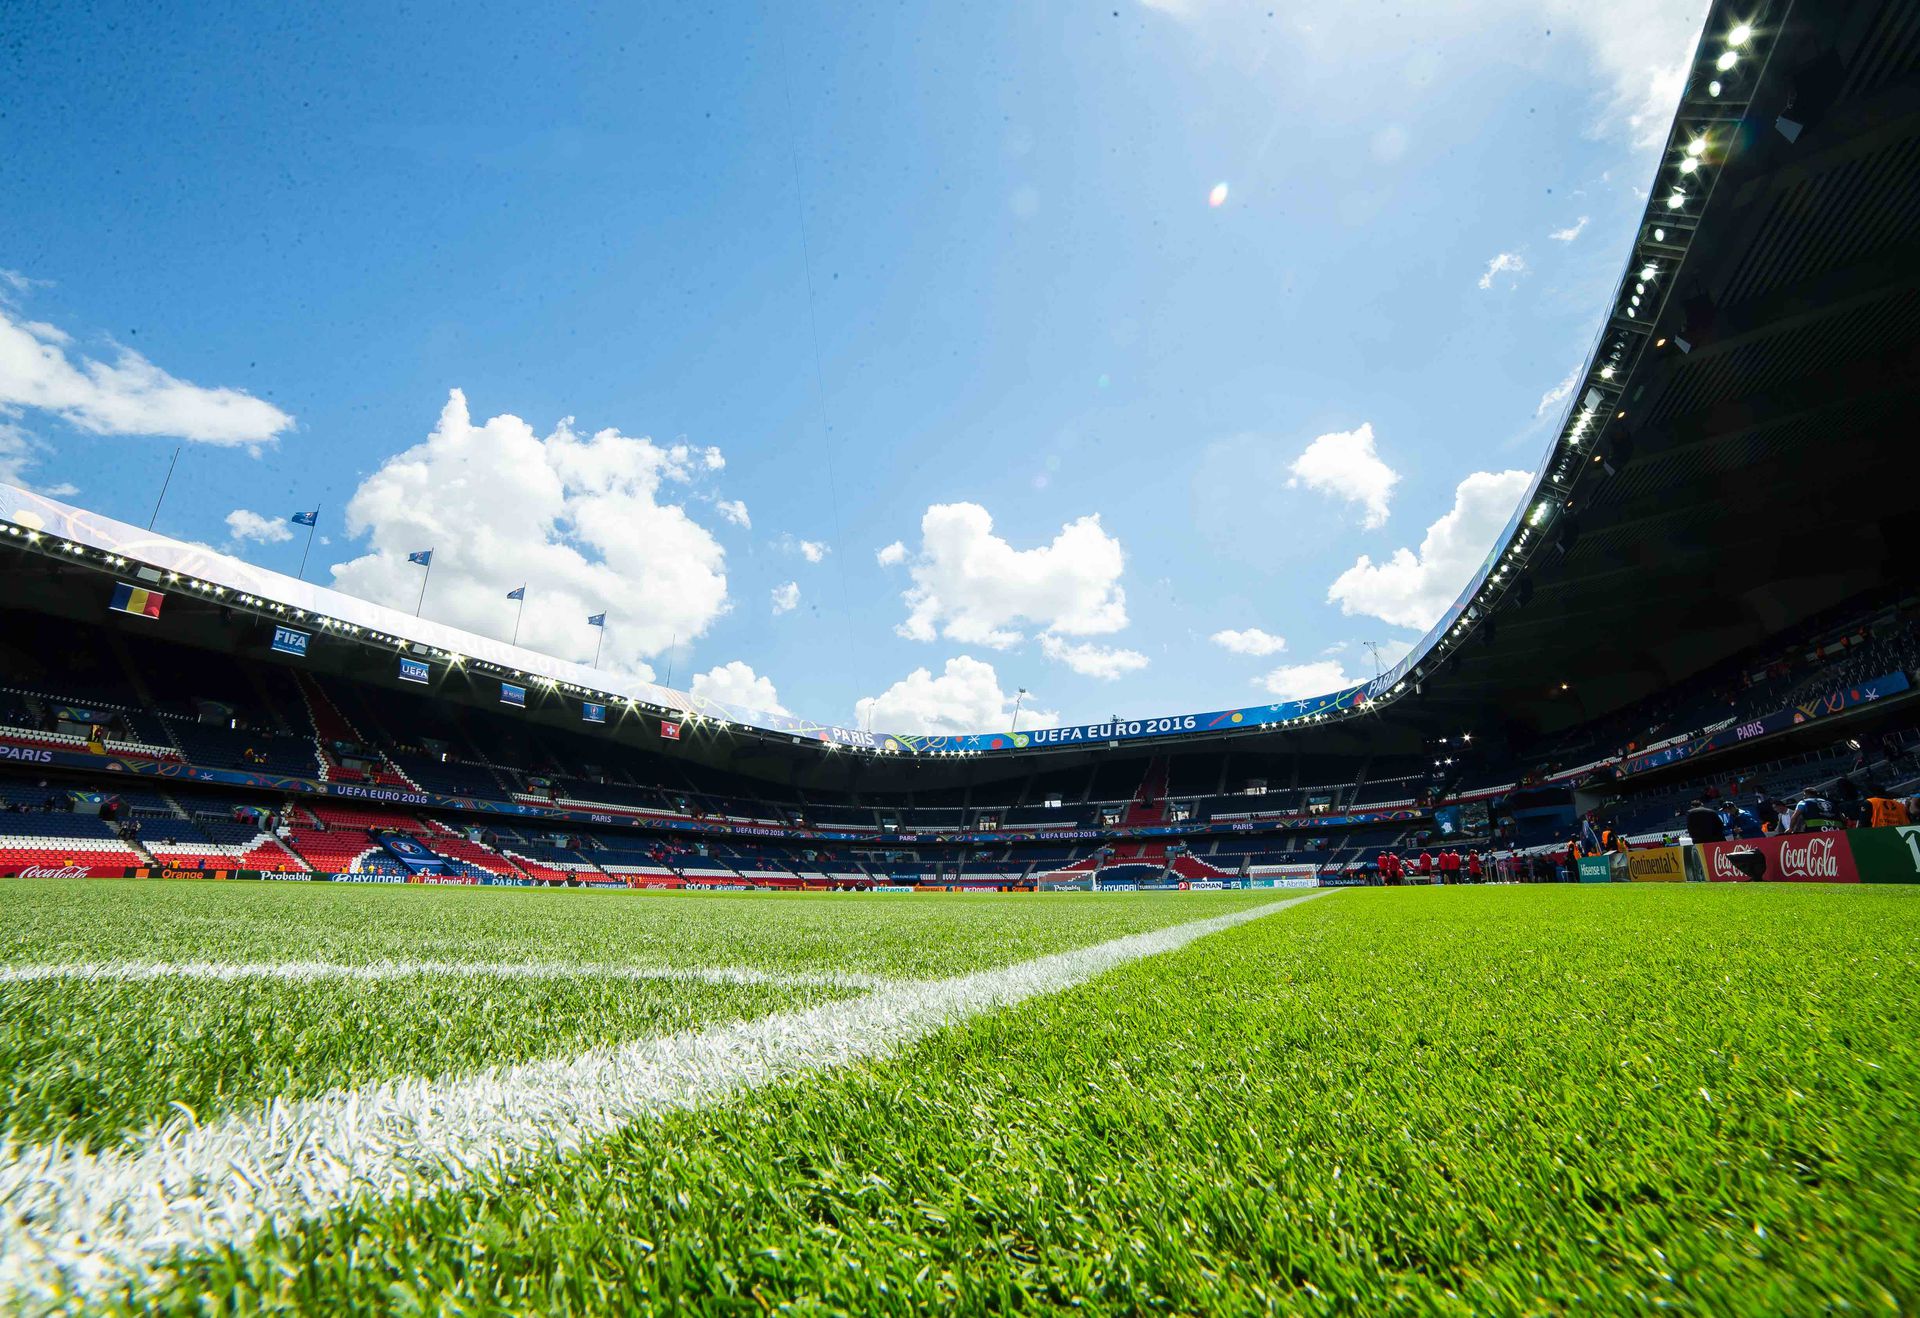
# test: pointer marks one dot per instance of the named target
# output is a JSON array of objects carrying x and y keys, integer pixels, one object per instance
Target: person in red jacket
[
  {"x": 1453, "y": 867},
  {"x": 1426, "y": 865},
  {"x": 1396, "y": 868},
  {"x": 1475, "y": 870}
]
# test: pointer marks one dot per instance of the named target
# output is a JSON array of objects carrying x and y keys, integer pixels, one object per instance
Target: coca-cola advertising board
[{"x": 1795, "y": 858}]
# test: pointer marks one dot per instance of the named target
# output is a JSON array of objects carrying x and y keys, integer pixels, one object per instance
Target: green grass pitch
[{"x": 1484, "y": 1100}]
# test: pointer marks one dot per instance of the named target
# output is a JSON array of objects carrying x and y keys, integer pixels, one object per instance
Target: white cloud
[
  {"x": 1091, "y": 660},
  {"x": 786, "y": 598},
  {"x": 1641, "y": 50},
  {"x": 966, "y": 697},
  {"x": 735, "y": 511},
  {"x": 244, "y": 525},
  {"x": 21, "y": 283},
  {"x": 811, "y": 550},
  {"x": 1635, "y": 50},
  {"x": 579, "y": 519},
  {"x": 1251, "y": 641},
  {"x": 127, "y": 396},
  {"x": 1507, "y": 263},
  {"x": 1571, "y": 232},
  {"x": 1560, "y": 393},
  {"x": 1413, "y": 590},
  {"x": 20, "y": 450},
  {"x": 893, "y": 554},
  {"x": 736, "y": 683},
  {"x": 1322, "y": 677},
  {"x": 970, "y": 585},
  {"x": 1343, "y": 464}
]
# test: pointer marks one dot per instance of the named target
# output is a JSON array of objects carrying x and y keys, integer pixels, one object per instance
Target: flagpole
[
  {"x": 597, "y": 644},
  {"x": 312, "y": 526},
  {"x": 163, "y": 488},
  {"x": 521, "y": 614},
  {"x": 423, "y": 587}
]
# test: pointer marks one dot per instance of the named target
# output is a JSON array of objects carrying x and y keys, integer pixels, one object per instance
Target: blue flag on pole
[
  {"x": 519, "y": 594},
  {"x": 597, "y": 620},
  {"x": 424, "y": 558},
  {"x": 306, "y": 519}
]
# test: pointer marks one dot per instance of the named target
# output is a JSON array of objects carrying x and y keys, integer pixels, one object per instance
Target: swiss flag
[{"x": 671, "y": 731}]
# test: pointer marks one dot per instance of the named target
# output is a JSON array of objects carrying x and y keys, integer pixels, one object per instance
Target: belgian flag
[{"x": 137, "y": 600}]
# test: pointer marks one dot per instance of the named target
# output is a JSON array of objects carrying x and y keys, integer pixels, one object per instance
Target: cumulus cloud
[
  {"x": 579, "y": 519},
  {"x": 1413, "y": 589},
  {"x": 736, "y": 683},
  {"x": 735, "y": 511},
  {"x": 970, "y": 585},
  {"x": 1251, "y": 641},
  {"x": 1345, "y": 466},
  {"x": 244, "y": 525},
  {"x": 1091, "y": 660},
  {"x": 1322, "y": 677},
  {"x": 1506, "y": 263},
  {"x": 892, "y": 555},
  {"x": 1560, "y": 393},
  {"x": 966, "y": 697},
  {"x": 128, "y": 395},
  {"x": 1571, "y": 232},
  {"x": 786, "y": 598},
  {"x": 811, "y": 550}
]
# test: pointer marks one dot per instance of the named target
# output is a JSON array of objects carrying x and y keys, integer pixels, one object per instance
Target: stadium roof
[{"x": 1728, "y": 464}]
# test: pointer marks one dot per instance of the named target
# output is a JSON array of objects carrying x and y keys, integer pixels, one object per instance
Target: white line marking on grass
[
  {"x": 78, "y": 1224},
  {"x": 308, "y": 971}
]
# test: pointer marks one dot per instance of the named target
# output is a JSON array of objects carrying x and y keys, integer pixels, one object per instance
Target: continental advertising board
[{"x": 1657, "y": 865}]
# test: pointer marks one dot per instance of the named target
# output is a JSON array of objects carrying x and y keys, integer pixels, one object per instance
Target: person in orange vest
[
  {"x": 1426, "y": 865},
  {"x": 1887, "y": 812}
]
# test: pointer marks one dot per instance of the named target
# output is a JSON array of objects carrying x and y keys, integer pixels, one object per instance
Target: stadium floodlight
[
  {"x": 1677, "y": 200},
  {"x": 1741, "y": 33},
  {"x": 1697, "y": 147},
  {"x": 1713, "y": 88},
  {"x": 1688, "y": 164},
  {"x": 1728, "y": 58},
  {"x": 1659, "y": 235},
  {"x": 1648, "y": 271}
]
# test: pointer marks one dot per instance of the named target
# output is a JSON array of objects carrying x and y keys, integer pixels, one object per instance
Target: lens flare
[{"x": 1218, "y": 197}]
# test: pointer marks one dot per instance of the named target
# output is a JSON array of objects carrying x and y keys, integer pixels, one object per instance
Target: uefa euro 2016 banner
[{"x": 1094, "y": 734}]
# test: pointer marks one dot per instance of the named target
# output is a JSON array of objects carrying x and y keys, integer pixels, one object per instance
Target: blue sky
[{"x": 883, "y": 353}]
